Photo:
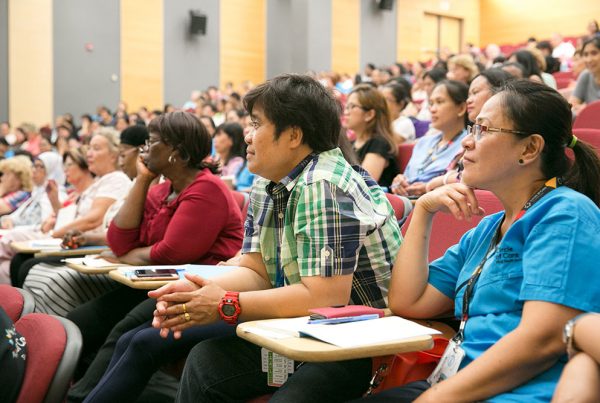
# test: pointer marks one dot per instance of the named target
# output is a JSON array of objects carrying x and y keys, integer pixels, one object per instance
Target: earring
[
  {"x": 171, "y": 159},
  {"x": 521, "y": 162}
]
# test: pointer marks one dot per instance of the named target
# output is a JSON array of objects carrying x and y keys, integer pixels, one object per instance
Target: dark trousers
[
  {"x": 406, "y": 393},
  {"x": 228, "y": 369},
  {"x": 21, "y": 264},
  {"x": 138, "y": 315},
  {"x": 141, "y": 352},
  {"x": 96, "y": 319}
]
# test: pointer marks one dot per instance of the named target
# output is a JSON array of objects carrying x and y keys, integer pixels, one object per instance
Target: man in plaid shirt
[{"x": 319, "y": 233}]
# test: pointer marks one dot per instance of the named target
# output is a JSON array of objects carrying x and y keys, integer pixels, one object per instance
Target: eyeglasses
[
  {"x": 350, "y": 106},
  {"x": 478, "y": 131},
  {"x": 148, "y": 143}
]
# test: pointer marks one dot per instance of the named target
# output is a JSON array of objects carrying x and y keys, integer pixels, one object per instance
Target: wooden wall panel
[
  {"x": 412, "y": 22},
  {"x": 30, "y": 63},
  {"x": 242, "y": 41},
  {"x": 450, "y": 34},
  {"x": 142, "y": 52},
  {"x": 513, "y": 21},
  {"x": 345, "y": 36}
]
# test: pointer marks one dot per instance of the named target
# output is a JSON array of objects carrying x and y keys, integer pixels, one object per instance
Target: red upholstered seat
[
  {"x": 404, "y": 154},
  {"x": 53, "y": 347},
  {"x": 11, "y": 301},
  {"x": 15, "y": 301},
  {"x": 590, "y": 136},
  {"x": 447, "y": 231},
  {"x": 589, "y": 117},
  {"x": 398, "y": 206}
]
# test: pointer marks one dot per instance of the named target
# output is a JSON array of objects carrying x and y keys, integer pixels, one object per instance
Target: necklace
[{"x": 433, "y": 152}]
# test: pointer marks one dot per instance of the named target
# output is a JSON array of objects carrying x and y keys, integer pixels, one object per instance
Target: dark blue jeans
[
  {"x": 228, "y": 369},
  {"x": 140, "y": 352}
]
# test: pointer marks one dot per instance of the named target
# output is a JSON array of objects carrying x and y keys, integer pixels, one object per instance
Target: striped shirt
[{"x": 325, "y": 218}]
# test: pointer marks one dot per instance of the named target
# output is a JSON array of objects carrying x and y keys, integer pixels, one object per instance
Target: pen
[{"x": 344, "y": 319}]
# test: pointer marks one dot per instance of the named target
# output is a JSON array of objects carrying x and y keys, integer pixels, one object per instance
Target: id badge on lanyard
[{"x": 454, "y": 353}]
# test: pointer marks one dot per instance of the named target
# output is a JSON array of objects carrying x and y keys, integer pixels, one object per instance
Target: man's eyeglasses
[{"x": 478, "y": 131}]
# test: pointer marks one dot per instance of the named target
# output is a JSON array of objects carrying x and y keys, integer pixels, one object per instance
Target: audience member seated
[
  {"x": 132, "y": 138},
  {"x": 13, "y": 352},
  {"x": 109, "y": 186},
  {"x": 160, "y": 225},
  {"x": 397, "y": 97},
  {"x": 547, "y": 78},
  {"x": 462, "y": 68},
  {"x": 515, "y": 69},
  {"x": 59, "y": 289},
  {"x": 33, "y": 137},
  {"x": 48, "y": 178},
  {"x": 434, "y": 152},
  {"x": 486, "y": 84},
  {"x": 577, "y": 67},
  {"x": 231, "y": 151},
  {"x": 430, "y": 80},
  {"x": 580, "y": 379},
  {"x": 526, "y": 59},
  {"x": 513, "y": 299},
  {"x": 588, "y": 88},
  {"x": 366, "y": 113},
  {"x": 294, "y": 147},
  {"x": 15, "y": 183}
]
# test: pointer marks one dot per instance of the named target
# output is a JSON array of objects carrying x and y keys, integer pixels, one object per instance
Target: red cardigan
[{"x": 202, "y": 225}]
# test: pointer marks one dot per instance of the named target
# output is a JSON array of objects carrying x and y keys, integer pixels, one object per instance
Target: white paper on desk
[
  {"x": 352, "y": 334},
  {"x": 366, "y": 332},
  {"x": 93, "y": 261},
  {"x": 279, "y": 328},
  {"x": 49, "y": 243}
]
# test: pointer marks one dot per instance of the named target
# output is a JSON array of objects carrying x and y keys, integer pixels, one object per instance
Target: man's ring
[
  {"x": 187, "y": 317},
  {"x": 184, "y": 309}
]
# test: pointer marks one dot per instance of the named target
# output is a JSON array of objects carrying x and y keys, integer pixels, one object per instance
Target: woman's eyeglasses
[
  {"x": 478, "y": 131},
  {"x": 350, "y": 106}
]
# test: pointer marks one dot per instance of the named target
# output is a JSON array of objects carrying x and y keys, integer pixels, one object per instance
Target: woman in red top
[
  {"x": 160, "y": 225},
  {"x": 190, "y": 218}
]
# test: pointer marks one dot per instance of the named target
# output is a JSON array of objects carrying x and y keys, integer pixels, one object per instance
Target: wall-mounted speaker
[
  {"x": 197, "y": 23},
  {"x": 386, "y": 4}
]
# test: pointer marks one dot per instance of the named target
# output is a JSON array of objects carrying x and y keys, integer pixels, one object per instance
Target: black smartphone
[{"x": 155, "y": 274}]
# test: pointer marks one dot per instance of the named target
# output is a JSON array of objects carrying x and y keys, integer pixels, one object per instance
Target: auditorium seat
[
  {"x": 53, "y": 348},
  {"x": 404, "y": 153},
  {"x": 447, "y": 230},
  {"x": 589, "y": 117},
  {"x": 590, "y": 136},
  {"x": 16, "y": 301}
]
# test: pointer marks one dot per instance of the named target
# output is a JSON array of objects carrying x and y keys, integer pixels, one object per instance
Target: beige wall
[
  {"x": 142, "y": 53},
  {"x": 345, "y": 36},
  {"x": 242, "y": 41},
  {"x": 412, "y": 38},
  {"x": 30, "y": 61},
  {"x": 513, "y": 21}
]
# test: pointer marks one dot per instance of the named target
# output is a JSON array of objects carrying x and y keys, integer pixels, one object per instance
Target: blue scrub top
[
  {"x": 550, "y": 254},
  {"x": 416, "y": 172}
]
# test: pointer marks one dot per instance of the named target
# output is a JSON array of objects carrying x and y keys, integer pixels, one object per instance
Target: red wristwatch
[{"x": 229, "y": 308}]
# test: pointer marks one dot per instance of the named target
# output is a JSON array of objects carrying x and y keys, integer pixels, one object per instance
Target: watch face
[{"x": 228, "y": 309}]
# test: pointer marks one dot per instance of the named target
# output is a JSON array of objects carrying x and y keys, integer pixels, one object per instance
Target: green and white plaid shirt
[{"x": 326, "y": 218}]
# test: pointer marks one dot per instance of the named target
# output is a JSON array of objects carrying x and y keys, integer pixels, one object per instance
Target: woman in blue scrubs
[{"x": 521, "y": 274}]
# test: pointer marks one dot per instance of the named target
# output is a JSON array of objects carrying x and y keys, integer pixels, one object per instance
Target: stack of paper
[{"x": 352, "y": 334}]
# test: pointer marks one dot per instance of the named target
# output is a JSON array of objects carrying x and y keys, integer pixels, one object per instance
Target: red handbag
[{"x": 396, "y": 370}]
